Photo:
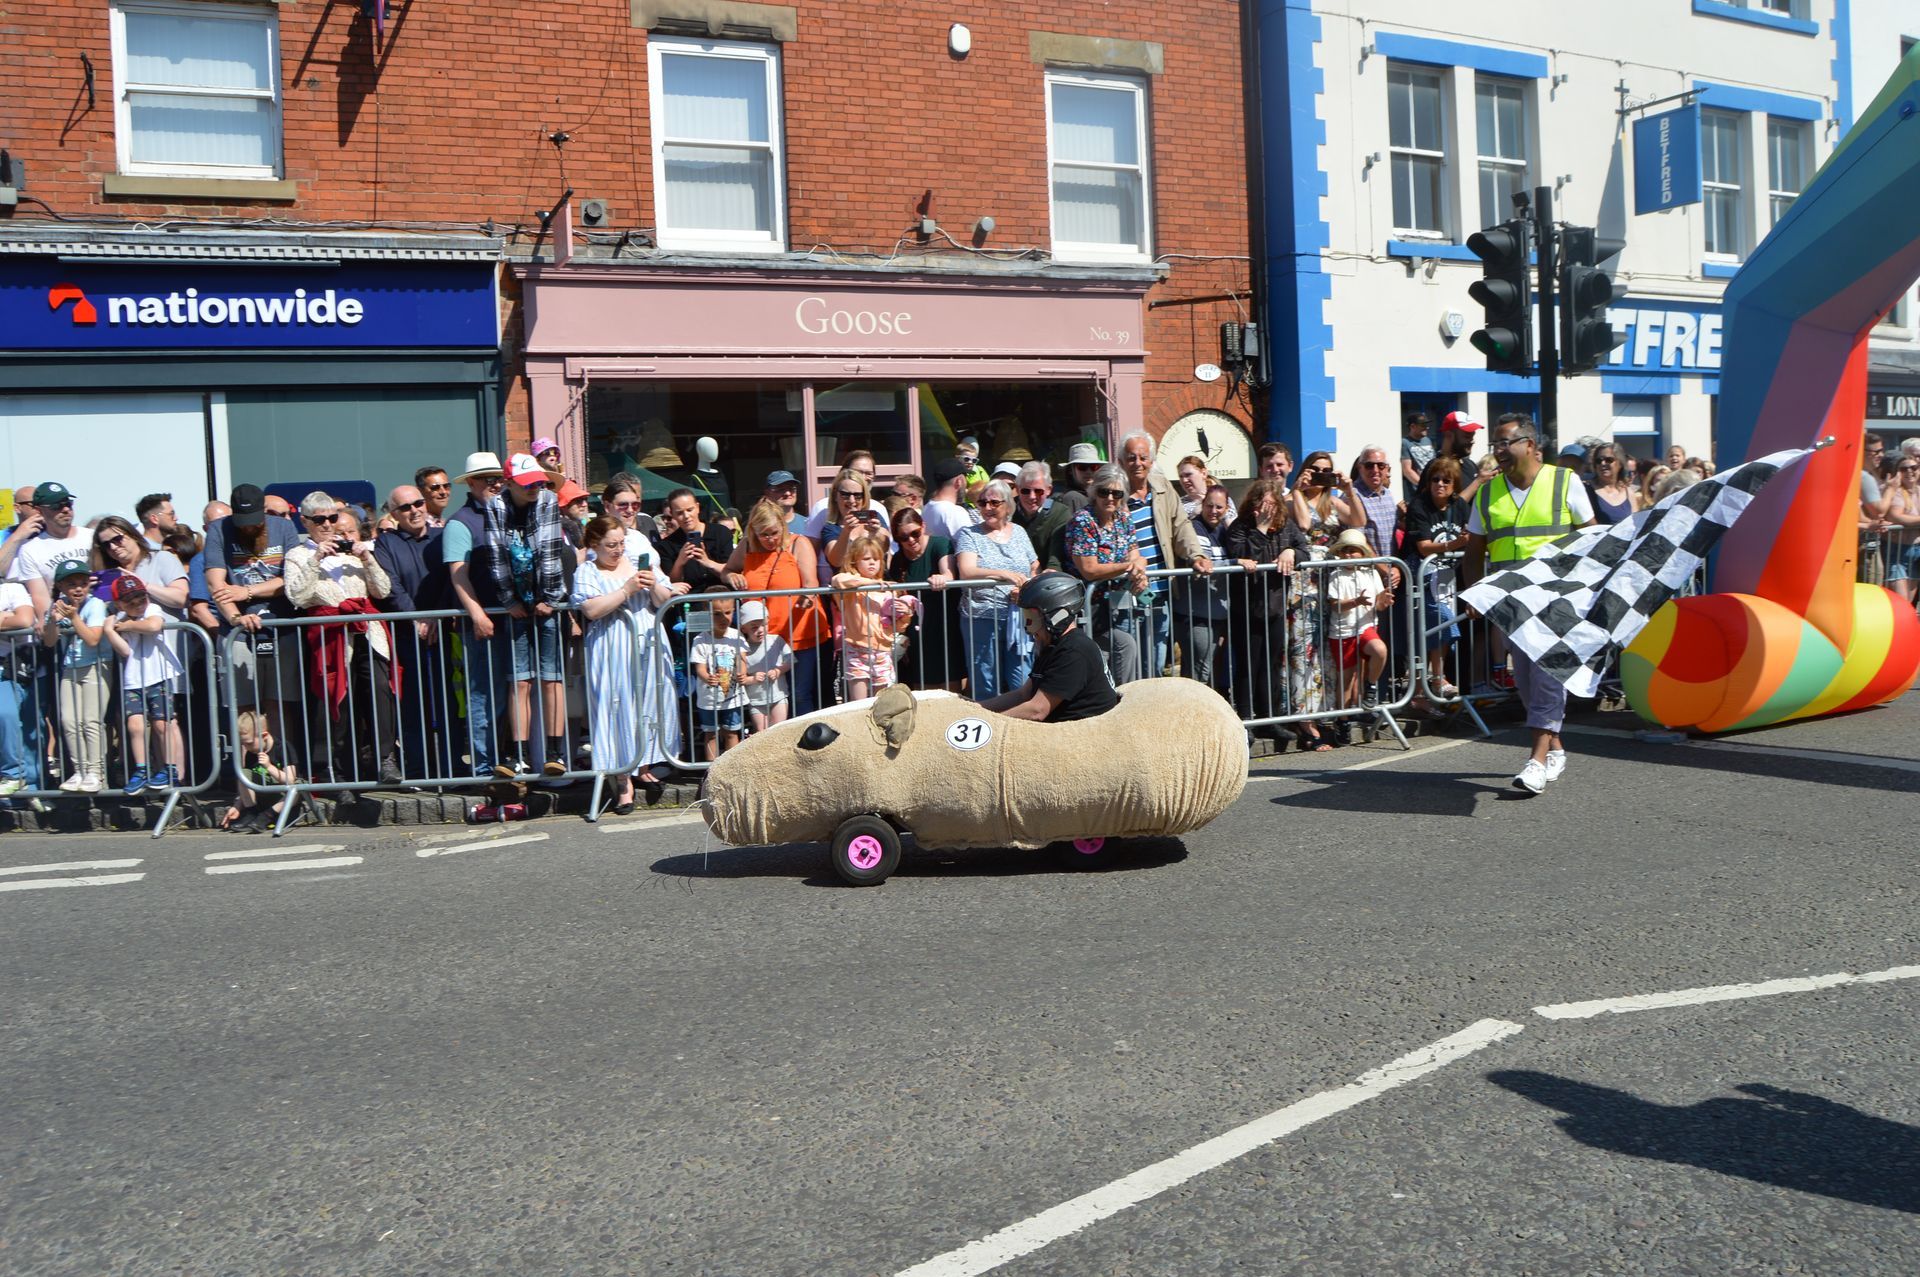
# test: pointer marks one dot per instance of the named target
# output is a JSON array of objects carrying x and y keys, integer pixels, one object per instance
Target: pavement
[{"x": 1308, "y": 1038}]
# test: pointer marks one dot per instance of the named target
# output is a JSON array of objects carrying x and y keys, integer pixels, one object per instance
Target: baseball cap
[
  {"x": 128, "y": 587},
  {"x": 1083, "y": 454},
  {"x": 51, "y": 493},
  {"x": 541, "y": 445},
  {"x": 525, "y": 471},
  {"x": 71, "y": 568},
  {"x": 946, "y": 470},
  {"x": 1574, "y": 450},
  {"x": 571, "y": 492},
  {"x": 1460, "y": 421},
  {"x": 249, "y": 506},
  {"x": 779, "y": 477},
  {"x": 1011, "y": 469},
  {"x": 752, "y": 610}
]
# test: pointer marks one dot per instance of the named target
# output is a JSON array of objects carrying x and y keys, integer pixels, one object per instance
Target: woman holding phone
[{"x": 617, "y": 597}]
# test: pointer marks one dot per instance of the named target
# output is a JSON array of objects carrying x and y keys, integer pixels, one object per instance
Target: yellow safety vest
[{"x": 1514, "y": 534}]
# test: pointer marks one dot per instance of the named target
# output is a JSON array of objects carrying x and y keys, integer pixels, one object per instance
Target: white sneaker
[
  {"x": 71, "y": 784},
  {"x": 92, "y": 783},
  {"x": 1532, "y": 777},
  {"x": 1556, "y": 763}
]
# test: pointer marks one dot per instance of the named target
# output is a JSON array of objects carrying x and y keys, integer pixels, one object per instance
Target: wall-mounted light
[
  {"x": 959, "y": 40},
  {"x": 1371, "y": 161}
]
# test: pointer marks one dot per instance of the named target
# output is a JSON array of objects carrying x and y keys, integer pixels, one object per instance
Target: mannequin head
[{"x": 707, "y": 451}]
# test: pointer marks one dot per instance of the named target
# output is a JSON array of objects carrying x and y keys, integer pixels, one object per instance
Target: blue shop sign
[
  {"x": 47, "y": 304},
  {"x": 1666, "y": 160},
  {"x": 1666, "y": 336}
]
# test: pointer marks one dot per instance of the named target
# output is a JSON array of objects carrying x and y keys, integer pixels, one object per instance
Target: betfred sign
[{"x": 51, "y": 305}]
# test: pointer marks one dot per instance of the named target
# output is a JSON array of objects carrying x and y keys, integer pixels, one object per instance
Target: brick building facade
[{"x": 400, "y": 161}]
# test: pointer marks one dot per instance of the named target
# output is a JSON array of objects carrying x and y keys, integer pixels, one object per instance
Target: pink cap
[{"x": 542, "y": 445}]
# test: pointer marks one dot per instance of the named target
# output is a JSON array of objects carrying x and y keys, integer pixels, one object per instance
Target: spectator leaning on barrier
[
  {"x": 1101, "y": 543},
  {"x": 480, "y": 574},
  {"x": 1902, "y": 519},
  {"x": 1165, "y": 537},
  {"x": 245, "y": 573},
  {"x": 611, "y": 593},
  {"x": 1356, "y": 597},
  {"x": 45, "y": 539},
  {"x": 771, "y": 557},
  {"x": 1436, "y": 529},
  {"x": 18, "y": 707},
  {"x": 536, "y": 561},
  {"x": 417, "y": 572},
  {"x": 1523, "y": 508},
  {"x": 944, "y": 514},
  {"x": 1263, "y": 535},
  {"x": 350, "y": 708},
  {"x": 933, "y": 658},
  {"x": 1201, "y": 604},
  {"x": 999, "y": 653},
  {"x": 75, "y": 631},
  {"x": 120, "y": 550},
  {"x": 149, "y": 675}
]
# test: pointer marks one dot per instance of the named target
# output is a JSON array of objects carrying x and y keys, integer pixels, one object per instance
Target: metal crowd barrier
[
  {"x": 427, "y": 734},
  {"x": 1891, "y": 557},
  {"x": 53, "y": 721}
]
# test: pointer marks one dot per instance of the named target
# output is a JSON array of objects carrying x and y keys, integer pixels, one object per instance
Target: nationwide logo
[{"x": 189, "y": 307}]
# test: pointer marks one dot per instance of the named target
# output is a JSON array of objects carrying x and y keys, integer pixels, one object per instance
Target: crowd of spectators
[{"x": 574, "y": 629}]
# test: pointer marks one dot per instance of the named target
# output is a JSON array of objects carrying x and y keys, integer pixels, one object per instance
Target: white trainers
[
  {"x": 1556, "y": 763},
  {"x": 1532, "y": 777},
  {"x": 71, "y": 785},
  {"x": 92, "y": 783}
]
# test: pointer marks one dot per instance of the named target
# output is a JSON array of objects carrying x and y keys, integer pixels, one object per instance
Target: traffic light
[
  {"x": 1502, "y": 291},
  {"x": 1587, "y": 291}
]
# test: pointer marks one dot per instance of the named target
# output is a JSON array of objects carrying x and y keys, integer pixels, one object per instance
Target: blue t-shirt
[{"x": 76, "y": 651}]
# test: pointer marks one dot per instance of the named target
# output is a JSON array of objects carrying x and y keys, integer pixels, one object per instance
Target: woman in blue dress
[{"x": 617, "y": 590}]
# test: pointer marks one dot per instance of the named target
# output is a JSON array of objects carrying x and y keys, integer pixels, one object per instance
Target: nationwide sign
[
  {"x": 1666, "y": 160},
  {"x": 52, "y": 305}
]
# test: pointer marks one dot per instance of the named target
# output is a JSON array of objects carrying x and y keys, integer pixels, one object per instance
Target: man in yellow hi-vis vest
[{"x": 1527, "y": 505}]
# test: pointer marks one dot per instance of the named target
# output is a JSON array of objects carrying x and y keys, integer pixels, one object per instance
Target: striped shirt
[{"x": 1140, "y": 514}]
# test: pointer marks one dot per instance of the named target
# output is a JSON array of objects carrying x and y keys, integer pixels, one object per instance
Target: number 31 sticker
[{"x": 969, "y": 733}]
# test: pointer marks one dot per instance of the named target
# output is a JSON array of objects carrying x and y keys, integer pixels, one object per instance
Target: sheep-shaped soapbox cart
[{"x": 1168, "y": 759}]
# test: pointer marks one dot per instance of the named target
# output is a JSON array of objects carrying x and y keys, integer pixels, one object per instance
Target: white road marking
[
  {"x": 1719, "y": 993},
  {"x": 464, "y": 835},
  {"x": 306, "y": 849},
  {"x": 1070, "y": 1217},
  {"x": 482, "y": 845},
  {"x": 1779, "y": 751},
  {"x": 1383, "y": 761},
  {"x": 329, "y": 862},
  {"x": 94, "y": 880},
  {"x": 641, "y": 824},
  {"x": 69, "y": 866}
]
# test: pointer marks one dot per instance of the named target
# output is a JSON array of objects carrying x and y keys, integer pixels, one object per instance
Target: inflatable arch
[{"x": 1788, "y": 631}]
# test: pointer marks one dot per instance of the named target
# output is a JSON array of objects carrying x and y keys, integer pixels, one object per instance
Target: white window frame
[
  {"x": 1802, "y": 141},
  {"x": 1524, "y": 165},
  {"x": 1737, "y": 187},
  {"x": 268, "y": 16},
  {"x": 700, "y": 239},
  {"x": 1075, "y": 251},
  {"x": 1443, "y": 203}
]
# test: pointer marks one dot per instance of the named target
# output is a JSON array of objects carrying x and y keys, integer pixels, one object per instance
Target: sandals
[{"x": 1312, "y": 742}]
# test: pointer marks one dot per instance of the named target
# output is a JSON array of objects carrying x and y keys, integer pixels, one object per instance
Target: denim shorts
[
  {"x": 1903, "y": 564},
  {"x": 155, "y": 702},
  {"x": 547, "y": 631},
  {"x": 715, "y": 721}
]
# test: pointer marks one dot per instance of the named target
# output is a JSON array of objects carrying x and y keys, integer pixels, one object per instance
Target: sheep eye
[{"x": 818, "y": 736}]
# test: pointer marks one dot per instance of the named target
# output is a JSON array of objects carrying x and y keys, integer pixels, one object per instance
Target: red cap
[
  {"x": 1460, "y": 421},
  {"x": 128, "y": 587}
]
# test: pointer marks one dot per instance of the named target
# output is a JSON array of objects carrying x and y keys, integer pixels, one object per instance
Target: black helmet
[{"x": 1056, "y": 597}]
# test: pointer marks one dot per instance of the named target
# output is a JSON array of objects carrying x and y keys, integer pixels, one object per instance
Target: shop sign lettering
[{"x": 818, "y": 317}]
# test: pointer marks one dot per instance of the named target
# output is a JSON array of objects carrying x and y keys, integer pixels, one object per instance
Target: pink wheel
[
  {"x": 1089, "y": 846},
  {"x": 865, "y": 852}
]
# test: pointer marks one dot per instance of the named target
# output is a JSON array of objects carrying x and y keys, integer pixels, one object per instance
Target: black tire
[
  {"x": 866, "y": 851},
  {"x": 1086, "y": 853}
]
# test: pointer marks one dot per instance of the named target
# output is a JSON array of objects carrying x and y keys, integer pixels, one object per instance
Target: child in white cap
[{"x": 768, "y": 661}]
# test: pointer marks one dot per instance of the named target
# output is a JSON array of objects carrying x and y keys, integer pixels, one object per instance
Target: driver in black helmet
[{"x": 1069, "y": 679}]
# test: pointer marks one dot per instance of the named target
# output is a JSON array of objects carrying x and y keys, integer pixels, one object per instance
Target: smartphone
[{"x": 643, "y": 562}]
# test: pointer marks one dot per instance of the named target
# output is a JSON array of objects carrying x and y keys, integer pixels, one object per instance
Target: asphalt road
[{"x": 613, "y": 1050}]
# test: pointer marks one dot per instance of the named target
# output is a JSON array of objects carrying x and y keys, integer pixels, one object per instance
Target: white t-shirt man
[
  {"x": 946, "y": 519},
  {"x": 39, "y": 557},
  {"x": 1577, "y": 500}
]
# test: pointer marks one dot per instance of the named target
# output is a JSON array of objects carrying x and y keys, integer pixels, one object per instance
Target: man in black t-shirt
[{"x": 1069, "y": 680}]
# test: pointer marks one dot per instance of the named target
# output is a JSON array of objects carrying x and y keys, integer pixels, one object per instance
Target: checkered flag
[{"x": 1583, "y": 596}]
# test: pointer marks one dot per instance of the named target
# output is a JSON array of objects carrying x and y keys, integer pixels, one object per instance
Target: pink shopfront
[{"x": 629, "y": 367}]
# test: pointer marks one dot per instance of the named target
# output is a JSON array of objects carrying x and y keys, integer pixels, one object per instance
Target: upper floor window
[
  {"x": 719, "y": 179},
  {"x": 1722, "y": 181},
  {"x": 1787, "y": 143},
  {"x": 1416, "y": 138},
  {"x": 196, "y": 89},
  {"x": 1500, "y": 112},
  {"x": 1785, "y": 8},
  {"x": 1097, "y": 151}
]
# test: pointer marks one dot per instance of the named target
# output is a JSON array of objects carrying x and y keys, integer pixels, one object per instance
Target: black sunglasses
[
  {"x": 439, "y": 487},
  {"x": 1115, "y": 493},
  {"x": 411, "y": 505},
  {"x": 324, "y": 518}
]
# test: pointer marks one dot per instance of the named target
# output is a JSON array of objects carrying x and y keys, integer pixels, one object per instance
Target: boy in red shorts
[{"x": 1355, "y": 598}]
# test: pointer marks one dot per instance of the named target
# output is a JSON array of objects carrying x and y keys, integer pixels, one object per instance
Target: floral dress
[{"x": 1306, "y": 631}]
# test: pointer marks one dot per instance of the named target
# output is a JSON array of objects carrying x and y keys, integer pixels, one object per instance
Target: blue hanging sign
[
  {"x": 47, "y": 304},
  {"x": 1666, "y": 160}
]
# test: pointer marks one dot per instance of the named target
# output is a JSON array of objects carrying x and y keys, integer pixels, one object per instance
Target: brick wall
[{"x": 447, "y": 125}]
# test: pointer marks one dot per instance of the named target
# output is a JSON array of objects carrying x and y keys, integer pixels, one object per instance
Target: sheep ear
[{"x": 893, "y": 714}]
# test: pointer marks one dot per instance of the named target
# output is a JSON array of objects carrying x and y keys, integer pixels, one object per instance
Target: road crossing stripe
[
  {"x": 95, "y": 880},
  {"x": 70, "y": 865},
  {"x": 1719, "y": 993},
  {"x": 309, "y": 849},
  {"x": 330, "y": 862},
  {"x": 424, "y": 852}
]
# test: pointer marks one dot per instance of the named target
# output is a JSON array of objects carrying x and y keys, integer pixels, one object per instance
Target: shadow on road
[
  {"x": 1425, "y": 795},
  {"x": 1847, "y": 772},
  {"x": 1786, "y": 1138},
  {"x": 808, "y": 862}
]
